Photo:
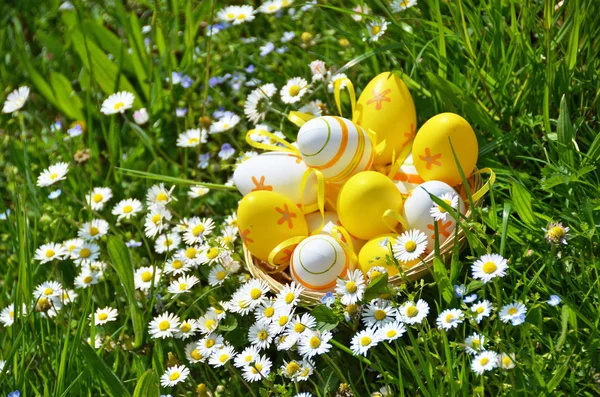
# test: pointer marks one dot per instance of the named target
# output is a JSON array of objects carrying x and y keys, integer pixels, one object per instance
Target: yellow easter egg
[
  {"x": 335, "y": 146},
  {"x": 318, "y": 261},
  {"x": 386, "y": 107},
  {"x": 266, "y": 219},
  {"x": 375, "y": 252},
  {"x": 432, "y": 153},
  {"x": 407, "y": 178},
  {"x": 362, "y": 202}
]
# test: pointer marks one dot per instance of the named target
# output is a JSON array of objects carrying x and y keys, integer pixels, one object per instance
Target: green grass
[{"x": 524, "y": 75}]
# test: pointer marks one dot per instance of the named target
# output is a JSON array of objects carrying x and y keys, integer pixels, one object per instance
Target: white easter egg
[
  {"x": 407, "y": 178},
  {"x": 279, "y": 172},
  {"x": 417, "y": 211},
  {"x": 318, "y": 261},
  {"x": 335, "y": 146},
  {"x": 313, "y": 221}
]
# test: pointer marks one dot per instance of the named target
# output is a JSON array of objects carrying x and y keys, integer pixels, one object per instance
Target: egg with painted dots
[
  {"x": 265, "y": 219},
  {"x": 335, "y": 146},
  {"x": 432, "y": 152},
  {"x": 418, "y": 215},
  {"x": 386, "y": 107},
  {"x": 318, "y": 261},
  {"x": 279, "y": 172}
]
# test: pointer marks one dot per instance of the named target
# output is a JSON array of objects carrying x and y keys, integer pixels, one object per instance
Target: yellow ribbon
[
  {"x": 486, "y": 186},
  {"x": 290, "y": 242},
  {"x": 287, "y": 147},
  {"x": 391, "y": 219},
  {"x": 320, "y": 204},
  {"x": 397, "y": 163},
  {"x": 348, "y": 245},
  {"x": 299, "y": 118},
  {"x": 337, "y": 88}
]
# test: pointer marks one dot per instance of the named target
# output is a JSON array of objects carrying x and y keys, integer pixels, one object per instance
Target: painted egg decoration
[
  {"x": 335, "y": 146},
  {"x": 363, "y": 200},
  {"x": 279, "y": 172},
  {"x": 432, "y": 152},
  {"x": 375, "y": 252},
  {"x": 266, "y": 219},
  {"x": 418, "y": 214},
  {"x": 386, "y": 107},
  {"x": 331, "y": 219},
  {"x": 407, "y": 178},
  {"x": 318, "y": 261}
]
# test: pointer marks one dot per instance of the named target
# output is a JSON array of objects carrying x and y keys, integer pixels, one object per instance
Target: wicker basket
[{"x": 276, "y": 281}]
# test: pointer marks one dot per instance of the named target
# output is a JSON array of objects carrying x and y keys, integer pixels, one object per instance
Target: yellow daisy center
[
  {"x": 351, "y": 287},
  {"x": 484, "y": 361},
  {"x": 476, "y": 343},
  {"x": 85, "y": 253},
  {"x": 119, "y": 105},
  {"x": 391, "y": 333},
  {"x": 512, "y": 311},
  {"x": 375, "y": 274},
  {"x": 294, "y": 90},
  {"x": 241, "y": 16},
  {"x": 449, "y": 317},
  {"x": 231, "y": 15},
  {"x": 375, "y": 29},
  {"x": 299, "y": 328},
  {"x": 94, "y": 231},
  {"x": 53, "y": 176},
  {"x": 174, "y": 376},
  {"x": 193, "y": 140},
  {"x": 269, "y": 311},
  {"x": 164, "y": 325},
  {"x": 289, "y": 298},
  {"x": 146, "y": 276},
  {"x": 255, "y": 293},
  {"x": 380, "y": 314},
  {"x": 50, "y": 253},
  {"x": 87, "y": 279},
  {"x": 186, "y": 327},
  {"x": 262, "y": 334},
  {"x": 191, "y": 252},
  {"x": 223, "y": 357},
  {"x": 196, "y": 355},
  {"x": 283, "y": 320},
  {"x": 182, "y": 287},
  {"x": 314, "y": 342},
  {"x": 412, "y": 311},
  {"x": 102, "y": 316},
  {"x": 489, "y": 267},
  {"x": 506, "y": 361},
  {"x": 162, "y": 197},
  {"x": 292, "y": 368},
  {"x": 210, "y": 324},
  {"x": 410, "y": 246},
  {"x": 97, "y": 198},
  {"x": 177, "y": 264},
  {"x": 256, "y": 368},
  {"x": 222, "y": 274},
  {"x": 556, "y": 232},
  {"x": 479, "y": 310},
  {"x": 197, "y": 230},
  {"x": 156, "y": 218},
  {"x": 212, "y": 253},
  {"x": 210, "y": 343},
  {"x": 127, "y": 209},
  {"x": 365, "y": 341},
  {"x": 48, "y": 291}
]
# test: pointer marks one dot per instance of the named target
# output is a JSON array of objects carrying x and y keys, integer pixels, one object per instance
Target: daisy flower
[
  {"x": 449, "y": 319},
  {"x": 314, "y": 343},
  {"x": 391, "y": 331},
  {"x": 255, "y": 291},
  {"x": 49, "y": 252},
  {"x": 375, "y": 29},
  {"x": 7, "y": 315},
  {"x": 316, "y": 108},
  {"x": 164, "y": 325},
  {"x": 143, "y": 278},
  {"x": 225, "y": 123},
  {"x": 474, "y": 343},
  {"x": 257, "y": 103},
  {"x": 260, "y": 335},
  {"x": 239, "y": 303},
  {"x": 228, "y": 236},
  {"x": 375, "y": 272},
  {"x": 378, "y": 313},
  {"x": 243, "y": 14},
  {"x": 176, "y": 266},
  {"x": 208, "y": 323},
  {"x": 192, "y": 138},
  {"x": 68, "y": 296},
  {"x": 514, "y": 313},
  {"x": 86, "y": 278},
  {"x": 488, "y": 267},
  {"x": 554, "y": 300},
  {"x": 556, "y": 233},
  {"x": 159, "y": 195},
  {"x": 439, "y": 213},
  {"x": 217, "y": 276},
  {"x": 174, "y": 375},
  {"x": 98, "y": 197},
  {"x": 265, "y": 312},
  {"x": 300, "y": 324},
  {"x": 246, "y": 357},
  {"x": 294, "y": 90},
  {"x": 49, "y": 289},
  {"x": 352, "y": 290},
  {"x": 290, "y": 295},
  {"x": 481, "y": 310},
  {"x": 141, "y": 116},
  {"x": 211, "y": 255},
  {"x": 270, "y": 7},
  {"x": 187, "y": 328},
  {"x": 290, "y": 369},
  {"x": 193, "y": 354},
  {"x": 401, "y": 5},
  {"x": 183, "y": 284},
  {"x": 16, "y": 100},
  {"x": 86, "y": 253},
  {"x": 306, "y": 370},
  {"x": 257, "y": 370},
  {"x": 198, "y": 191},
  {"x": 103, "y": 316},
  {"x": 409, "y": 245},
  {"x": 210, "y": 343},
  {"x": 72, "y": 244},
  {"x": 53, "y": 174},
  {"x": 167, "y": 242},
  {"x": 220, "y": 357},
  {"x": 97, "y": 267},
  {"x": 127, "y": 208},
  {"x": 197, "y": 229},
  {"x": 484, "y": 361},
  {"x": 282, "y": 317},
  {"x": 506, "y": 361},
  {"x": 364, "y": 340},
  {"x": 117, "y": 103},
  {"x": 93, "y": 230},
  {"x": 191, "y": 255},
  {"x": 413, "y": 313},
  {"x": 156, "y": 221}
]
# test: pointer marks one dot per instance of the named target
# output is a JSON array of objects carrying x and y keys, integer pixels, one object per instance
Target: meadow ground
[{"x": 103, "y": 194}]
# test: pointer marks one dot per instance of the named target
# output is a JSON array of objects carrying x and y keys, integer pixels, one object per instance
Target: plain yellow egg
[
  {"x": 374, "y": 253},
  {"x": 266, "y": 219},
  {"x": 432, "y": 153},
  {"x": 362, "y": 202},
  {"x": 386, "y": 107}
]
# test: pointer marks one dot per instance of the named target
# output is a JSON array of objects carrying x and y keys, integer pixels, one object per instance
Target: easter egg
[
  {"x": 362, "y": 202},
  {"x": 432, "y": 152},
  {"x": 335, "y": 146},
  {"x": 417, "y": 211},
  {"x": 318, "y": 261},
  {"x": 374, "y": 253},
  {"x": 279, "y": 172},
  {"x": 407, "y": 178},
  {"x": 266, "y": 219},
  {"x": 386, "y": 107},
  {"x": 332, "y": 190},
  {"x": 313, "y": 221}
]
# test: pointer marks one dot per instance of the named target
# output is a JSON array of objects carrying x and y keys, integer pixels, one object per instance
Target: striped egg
[
  {"x": 335, "y": 146},
  {"x": 313, "y": 221},
  {"x": 318, "y": 261},
  {"x": 407, "y": 178}
]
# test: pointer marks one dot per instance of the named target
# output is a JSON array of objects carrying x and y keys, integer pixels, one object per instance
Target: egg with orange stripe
[
  {"x": 318, "y": 261},
  {"x": 407, "y": 178},
  {"x": 335, "y": 146}
]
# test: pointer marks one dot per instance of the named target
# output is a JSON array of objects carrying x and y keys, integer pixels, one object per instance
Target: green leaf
[
  {"x": 147, "y": 385},
  {"x": 558, "y": 377},
  {"x": 65, "y": 96},
  {"x": 522, "y": 202},
  {"x": 121, "y": 262},
  {"x": 99, "y": 370},
  {"x": 440, "y": 275},
  {"x": 229, "y": 324},
  {"x": 376, "y": 287},
  {"x": 325, "y": 317},
  {"x": 564, "y": 327},
  {"x": 565, "y": 134}
]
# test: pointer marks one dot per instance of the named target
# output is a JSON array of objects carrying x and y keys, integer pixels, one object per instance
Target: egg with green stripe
[
  {"x": 318, "y": 261},
  {"x": 335, "y": 146}
]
